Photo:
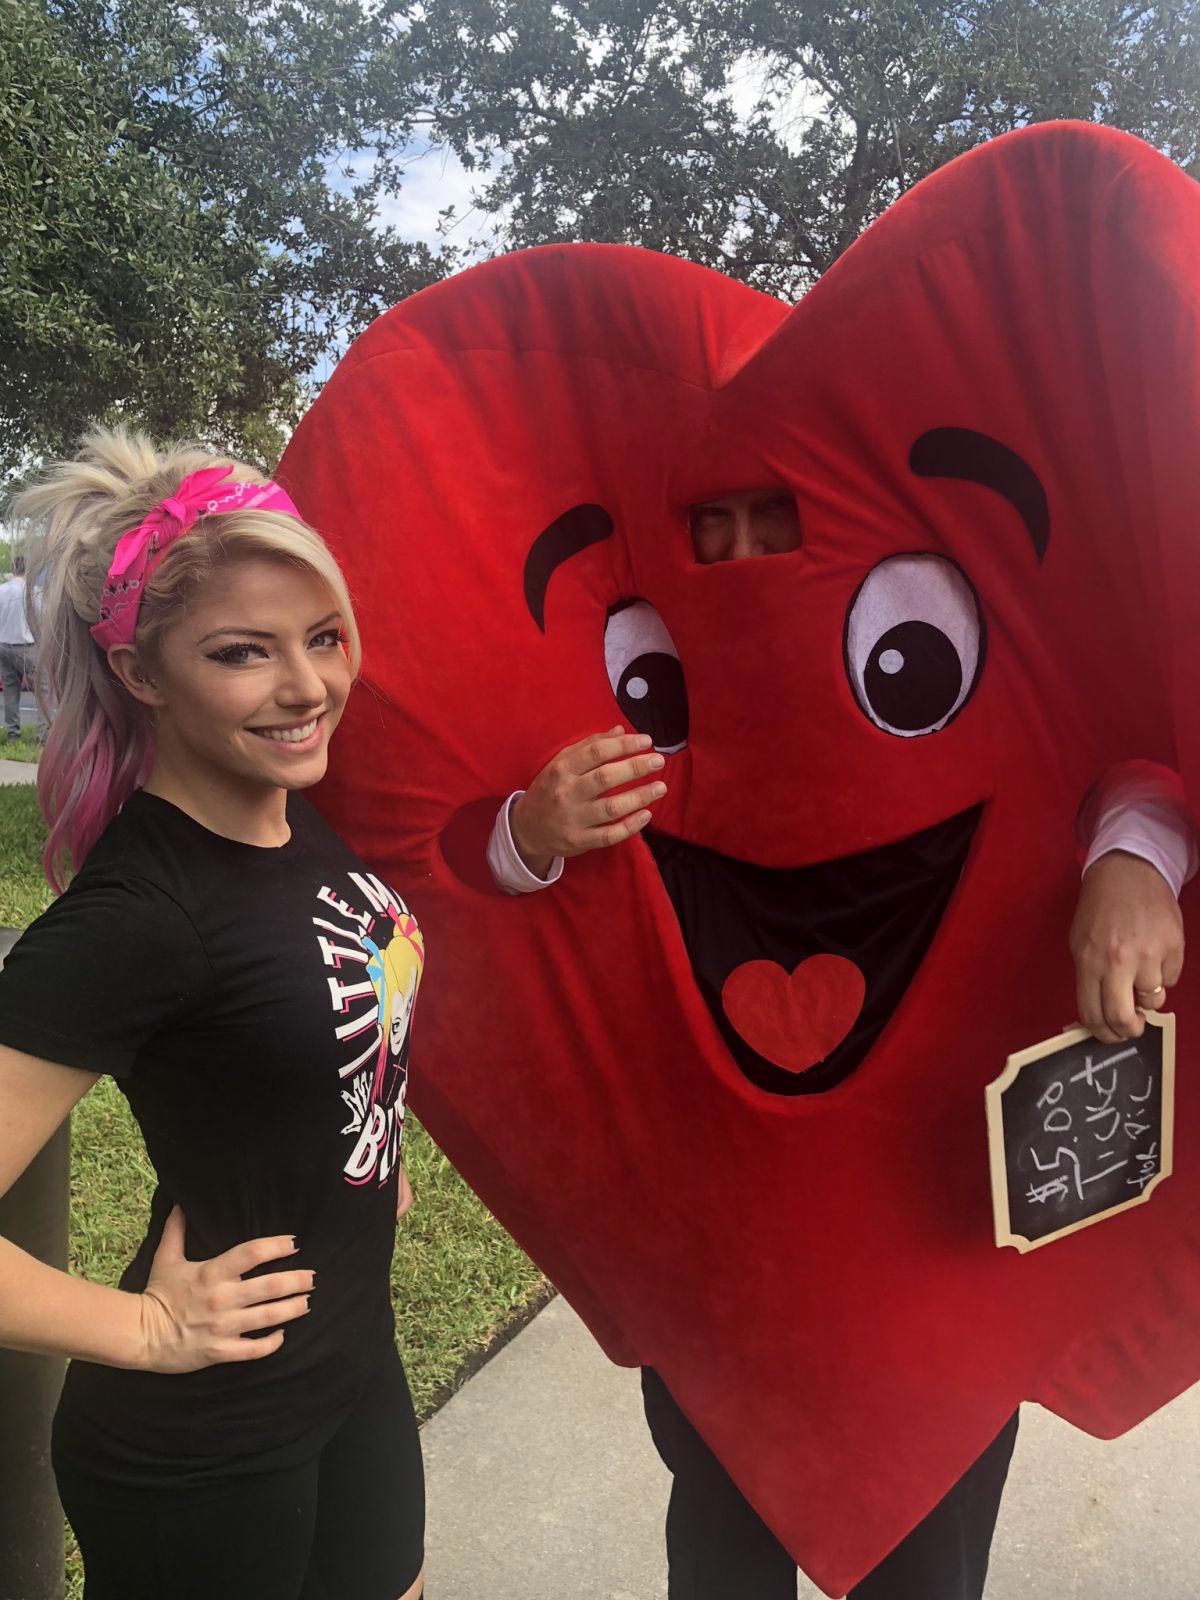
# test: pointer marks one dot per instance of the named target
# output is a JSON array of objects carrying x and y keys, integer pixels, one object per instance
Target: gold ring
[{"x": 1150, "y": 993}]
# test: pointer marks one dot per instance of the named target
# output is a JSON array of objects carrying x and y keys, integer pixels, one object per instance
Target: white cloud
[
  {"x": 434, "y": 180},
  {"x": 794, "y": 104}
]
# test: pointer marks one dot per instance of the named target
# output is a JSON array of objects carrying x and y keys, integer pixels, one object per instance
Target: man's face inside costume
[
  {"x": 744, "y": 524},
  {"x": 725, "y": 1082}
]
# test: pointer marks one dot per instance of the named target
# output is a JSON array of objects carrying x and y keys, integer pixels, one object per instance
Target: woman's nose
[{"x": 302, "y": 685}]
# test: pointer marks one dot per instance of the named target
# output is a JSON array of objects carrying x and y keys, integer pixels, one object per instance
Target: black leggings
[
  {"x": 347, "y": 1525},
  {"x": 718, "y": 1546}
]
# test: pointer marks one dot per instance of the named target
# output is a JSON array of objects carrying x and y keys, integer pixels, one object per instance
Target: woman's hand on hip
[{"x": 197, "y": 1313}]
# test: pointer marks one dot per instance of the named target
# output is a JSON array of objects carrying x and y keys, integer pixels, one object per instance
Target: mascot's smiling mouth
[{"x": 801, "y": 967}]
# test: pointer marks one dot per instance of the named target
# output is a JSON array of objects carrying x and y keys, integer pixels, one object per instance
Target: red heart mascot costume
[{"x": 987, "y": 412}]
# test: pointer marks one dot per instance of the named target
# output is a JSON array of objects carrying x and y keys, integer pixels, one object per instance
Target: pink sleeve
[{"x": 1138, "y": 807}]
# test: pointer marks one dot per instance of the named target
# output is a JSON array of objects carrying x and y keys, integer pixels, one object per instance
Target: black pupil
[
  {"x": 914, "y": 677},
  {"x": 652, "y": 696}
]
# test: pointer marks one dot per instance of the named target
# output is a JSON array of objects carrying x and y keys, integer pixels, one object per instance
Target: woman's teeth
[{"x": 288, "y": 735}]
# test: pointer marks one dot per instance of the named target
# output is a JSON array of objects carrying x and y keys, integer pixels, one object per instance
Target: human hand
[
  {"x": 1127, "y": 941},
  {"x": 194, "y": 1313},
  {"x": 404, "y": 1194},
  {"x": 567, "y": 809}
]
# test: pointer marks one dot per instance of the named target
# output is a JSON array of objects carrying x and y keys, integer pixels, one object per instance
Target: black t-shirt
[{"x": 254, "y": 1006}]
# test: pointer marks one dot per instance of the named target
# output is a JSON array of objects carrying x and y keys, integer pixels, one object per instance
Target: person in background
[
  {"x": 1139, "y": 848},
  {"x": 18, "y": 656}
]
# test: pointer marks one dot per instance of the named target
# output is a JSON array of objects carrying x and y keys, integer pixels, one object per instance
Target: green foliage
[
  {"x": 180, "y": 247},
  {"x": 760, "y": 136},
  {"x": 189, "y": 197}
]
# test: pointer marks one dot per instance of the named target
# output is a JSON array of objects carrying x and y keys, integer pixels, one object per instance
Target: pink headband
[{"x": 140, "y": 550}]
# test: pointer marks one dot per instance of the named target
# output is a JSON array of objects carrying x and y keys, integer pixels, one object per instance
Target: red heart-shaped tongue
[{"x": 794, "y": 1019}]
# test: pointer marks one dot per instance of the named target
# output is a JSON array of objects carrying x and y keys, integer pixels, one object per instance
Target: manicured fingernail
[
  {"x": 658, "y": 790},
  {"x": 295, "y": 1243},
  {"x": 656, "y": 762}
]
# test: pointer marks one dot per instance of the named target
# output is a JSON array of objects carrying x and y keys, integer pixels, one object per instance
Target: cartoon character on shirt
[{"x": 394, "y": 970}]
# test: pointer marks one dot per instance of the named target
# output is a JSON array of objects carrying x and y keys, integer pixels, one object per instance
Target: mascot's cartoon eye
[
  {"x": 645, "y": 674},
  {"x": 914, "y": 644}
]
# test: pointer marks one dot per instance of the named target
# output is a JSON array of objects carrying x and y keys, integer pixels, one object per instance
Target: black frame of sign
[{"x": 1070, "y": 1037}]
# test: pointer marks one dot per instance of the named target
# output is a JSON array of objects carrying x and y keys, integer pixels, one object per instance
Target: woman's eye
[
  {"x": 327, "y": 640},
  {"x": 644, "y": 671},
  {"x": 237, "y": 655},
  {"x": 914, "y": 644}
]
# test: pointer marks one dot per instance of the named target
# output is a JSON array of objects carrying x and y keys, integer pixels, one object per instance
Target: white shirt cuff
[
  {"x": 1145, "y": 819},
  {"x": 504, "y": 859}
]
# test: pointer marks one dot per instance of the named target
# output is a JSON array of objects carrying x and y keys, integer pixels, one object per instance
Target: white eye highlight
[
  {"x": 645, "y": 675},
  {"x": 914, "y": 644}
]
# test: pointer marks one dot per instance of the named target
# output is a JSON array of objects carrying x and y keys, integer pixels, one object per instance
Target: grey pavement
[{"x": 543, "y": 1485}]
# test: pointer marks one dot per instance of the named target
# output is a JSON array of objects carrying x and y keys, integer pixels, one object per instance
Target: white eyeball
[
  {"x": 646, "y": 677},
  {"x": 914, "y": 644}
]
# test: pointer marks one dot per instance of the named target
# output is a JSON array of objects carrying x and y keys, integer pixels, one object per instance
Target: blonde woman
[{"x": 235, "y": 1421}]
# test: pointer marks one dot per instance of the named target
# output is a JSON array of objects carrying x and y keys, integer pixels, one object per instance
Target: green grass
[
  {"x": 24, "y": 892},
  {"x": 26, "y": 748},
  {"x": 459, "y": 1283}
]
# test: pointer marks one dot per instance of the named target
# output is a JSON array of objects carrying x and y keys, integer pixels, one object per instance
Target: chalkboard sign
[{"x": 1080, "y": 1130}]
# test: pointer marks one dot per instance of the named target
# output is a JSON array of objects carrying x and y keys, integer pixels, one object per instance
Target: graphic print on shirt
[{"x": 372, "y": 943}]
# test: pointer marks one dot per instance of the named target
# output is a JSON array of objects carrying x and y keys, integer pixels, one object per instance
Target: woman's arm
[{"x": 192, "y": 1314}]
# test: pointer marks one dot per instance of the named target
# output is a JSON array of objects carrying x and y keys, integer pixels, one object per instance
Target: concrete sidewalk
[
  {"x": 17, "y": 771},
  {"x": 543, "y": 1485}
]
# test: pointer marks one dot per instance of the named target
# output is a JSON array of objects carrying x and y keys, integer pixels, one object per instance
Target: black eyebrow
[
  {"x": 975, "y": 458},
  {"x": 565, "y": 537}
]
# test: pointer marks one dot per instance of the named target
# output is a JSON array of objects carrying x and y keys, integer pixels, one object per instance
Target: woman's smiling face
[{"x": 252, "y": 680}]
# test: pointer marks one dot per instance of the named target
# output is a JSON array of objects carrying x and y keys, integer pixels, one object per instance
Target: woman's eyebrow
[
  {"x": 250, "y": 633},
  {"x": 262, "y": 633}
]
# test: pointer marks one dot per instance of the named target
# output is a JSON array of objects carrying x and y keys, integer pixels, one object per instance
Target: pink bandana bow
[{"x": 138, "y": 552}]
